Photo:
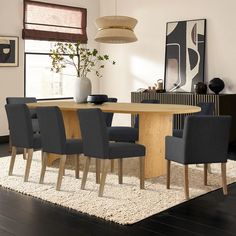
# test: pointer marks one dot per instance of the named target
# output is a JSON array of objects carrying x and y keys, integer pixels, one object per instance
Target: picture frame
[
  {"x": 184, "y": 55},
  {"x": 9, "y": 51}
]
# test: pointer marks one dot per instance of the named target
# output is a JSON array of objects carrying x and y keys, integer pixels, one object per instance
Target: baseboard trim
[{"x": 4, "y": 139}]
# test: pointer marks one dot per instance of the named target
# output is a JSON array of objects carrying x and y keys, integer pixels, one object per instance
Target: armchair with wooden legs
[
  {"x": 205, "y": 140},
  {"x": 96, "y": 144},
  {"x": 22, "y": 135},
  {"x": 54, "y": 140}
]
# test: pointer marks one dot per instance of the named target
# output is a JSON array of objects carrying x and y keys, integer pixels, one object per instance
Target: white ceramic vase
[{"x": 82, "y": 89}]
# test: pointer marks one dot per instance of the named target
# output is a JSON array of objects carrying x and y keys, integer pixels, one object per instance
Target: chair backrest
[
  {"x": 94, "y": 132},
  {"x": 23, "y": 100},
  {"x": 20, "y": 125},
  {"x": 52, "y": 129},
  {"x": 109, "y": 115},
  {"x": 207, "y": 109},
  {"x": 206, "y": 138},
  {"x": 151, "y": 101}
]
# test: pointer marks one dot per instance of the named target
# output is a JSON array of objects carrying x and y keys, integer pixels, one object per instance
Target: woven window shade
[{"x": 52, "y": 22}]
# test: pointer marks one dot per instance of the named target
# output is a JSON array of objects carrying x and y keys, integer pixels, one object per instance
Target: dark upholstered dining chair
[
  {"x": 22, "y": 135},
  {"x": 54, "y": 140},
  {"x": 96, "y": 144},
  {"x": 24, "y": 100},
  {"x": 33, "y": 115},
  {"x": 109, "y": 115},
  {"x": 125, "y": 133},
  {"x": 207, "y": 109},
  {"x": 205, "y": 140}
]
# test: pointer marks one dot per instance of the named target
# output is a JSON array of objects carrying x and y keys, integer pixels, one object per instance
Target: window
[
  {"x": 40, "y": 81},
  {"x": 45, "y": 24}
]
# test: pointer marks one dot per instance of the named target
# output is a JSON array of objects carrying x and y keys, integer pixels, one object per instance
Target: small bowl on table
[{"x": 97, "y": 99}]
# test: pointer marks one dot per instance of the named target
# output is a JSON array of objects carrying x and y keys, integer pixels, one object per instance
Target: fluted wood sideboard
[{"x": 225, "y": 104}]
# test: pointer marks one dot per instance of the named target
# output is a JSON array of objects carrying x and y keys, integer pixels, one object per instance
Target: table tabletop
[{"x": 130, "y": 108}]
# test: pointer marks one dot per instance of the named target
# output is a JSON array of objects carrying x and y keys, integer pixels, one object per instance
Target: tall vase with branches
[{"x": 83, "y": 60}]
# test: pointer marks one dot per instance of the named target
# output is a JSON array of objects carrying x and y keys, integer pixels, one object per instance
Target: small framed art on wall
[{"x": 9, "y": 47}]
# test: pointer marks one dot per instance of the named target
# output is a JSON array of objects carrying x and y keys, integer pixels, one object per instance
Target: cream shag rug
[{"x": 123, "y": 204}]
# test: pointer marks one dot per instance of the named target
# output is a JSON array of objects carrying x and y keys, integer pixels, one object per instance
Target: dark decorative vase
[
  {"x": 200, "y": 88},
  {"x": 216, "y": 85}
]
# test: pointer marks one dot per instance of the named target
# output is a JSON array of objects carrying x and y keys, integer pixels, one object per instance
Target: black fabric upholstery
[
  {"x": 53, "y": 134},
  {"x": 24, "y": 100},
  {"x": 122, "y": 134},
  {"x": 94, "y": 132},
  {"x": 73, "y": 146},
  {"x": 207, "y": 109},
  {"x": 232, "y": 151},
  {"x": 37, "y": 143},
  {"x": 109, "y": 115},
  {"x": 95, "y": 138},
  {"x": 124, "y": 150},
  {"x": 20, "y": 126},
  {"x": 127, "y": 134},
  {"x": 205, "y": 140}
]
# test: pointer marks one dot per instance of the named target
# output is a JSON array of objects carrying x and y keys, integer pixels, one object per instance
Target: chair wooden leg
[
  {"x": 98, "y": 170},
  {"x": 105, "y": 166},
  {"x": 13, "y": 157},
  {"x": 10, "y": 145},
  {"x": 205, "y": 173},
  {"x": 168, "y": 174},
  {"x": 112, "y": 165},
  {"x": 120, "y": 170},
  {"x": 25, "y": 154},
  {"x": 77, "y": 166},
  {"x": 43, "y": 168},
  {"x": 224, "y": 179},
  {"x": 61, "y": 171},
  {"x": 28, "y": 164},
  {"x": 141, "y": 167},
  {"x": 85, "y": 173},
  {"x": 186, "y": 182}
]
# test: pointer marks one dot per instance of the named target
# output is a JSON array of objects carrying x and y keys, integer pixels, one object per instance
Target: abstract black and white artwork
[
  {"x": 185, "y": 54},
  {"x": 8, "y": 51}
]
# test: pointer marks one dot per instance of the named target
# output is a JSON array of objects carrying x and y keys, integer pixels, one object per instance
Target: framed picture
[
  {"x": 9, "y": 47},
  {"x": 185, "y": 55}
]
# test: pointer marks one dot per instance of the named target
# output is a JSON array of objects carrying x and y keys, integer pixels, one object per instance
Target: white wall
[
  {"x": 11, "y": 23},
  {"x": 141, "y": 63}
]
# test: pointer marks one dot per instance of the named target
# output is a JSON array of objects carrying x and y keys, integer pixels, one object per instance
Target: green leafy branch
[{"x": 84, "y": 60}]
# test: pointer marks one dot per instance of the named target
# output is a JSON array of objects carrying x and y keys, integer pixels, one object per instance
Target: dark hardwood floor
[{"x": 210, "y": 214}]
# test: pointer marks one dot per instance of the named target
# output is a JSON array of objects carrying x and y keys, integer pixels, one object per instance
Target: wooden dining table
[{"x": 155, "y": 122}]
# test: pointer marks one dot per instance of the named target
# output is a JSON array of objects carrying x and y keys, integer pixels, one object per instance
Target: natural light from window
[{"x": 40, "y": 81}]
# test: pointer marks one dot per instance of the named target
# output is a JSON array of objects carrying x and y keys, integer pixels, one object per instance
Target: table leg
[{"x": 153, "y": 127}]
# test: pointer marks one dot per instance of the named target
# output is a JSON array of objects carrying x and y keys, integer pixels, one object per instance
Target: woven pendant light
[{"x": 115, "y": 29}]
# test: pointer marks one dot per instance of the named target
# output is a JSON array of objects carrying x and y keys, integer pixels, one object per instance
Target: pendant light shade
[{"x": 115, "y": 29}]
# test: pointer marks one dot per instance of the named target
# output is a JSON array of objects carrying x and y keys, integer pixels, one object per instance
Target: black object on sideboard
[{"x": 224, "y": 104}]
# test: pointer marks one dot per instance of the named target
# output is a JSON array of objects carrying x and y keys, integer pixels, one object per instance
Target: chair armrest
[{"x": 174, "y": 148}]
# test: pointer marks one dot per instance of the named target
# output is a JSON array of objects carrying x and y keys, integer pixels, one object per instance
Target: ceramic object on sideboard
[{"x": 216, "y": 85}]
